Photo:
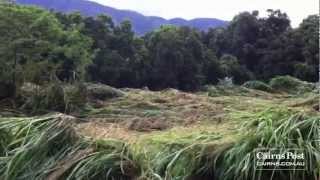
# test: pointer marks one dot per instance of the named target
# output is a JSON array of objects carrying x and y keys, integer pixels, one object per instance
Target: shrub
[
  {"x": 75, "y": 97},
  {"x": 43, "y": 99},
  {"x": 258, "y": 85},
  {"x": 102, "y": 92},
  {"x": 54, "y": 97},
  {"x": 64, "y": 98},
  {"x": 212, "y": 91},
  {"x": 291, "y": 85}
]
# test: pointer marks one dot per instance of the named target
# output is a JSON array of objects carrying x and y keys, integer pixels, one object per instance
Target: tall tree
[
  {"x": 177, "y": 57},
  {"x": 307, "y": 35},
  {"x": 36, "y": 47}
]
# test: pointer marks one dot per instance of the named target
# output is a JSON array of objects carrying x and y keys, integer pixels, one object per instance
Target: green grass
[
  {"x": 218, "y": 144},
  {"x": 291, "y": 85},
  {"x": 258, "y": 85},
  {"x": 48, "y": 147},
  {"x": 37, "y": 148},
  {"x": 273, "y": 128}
]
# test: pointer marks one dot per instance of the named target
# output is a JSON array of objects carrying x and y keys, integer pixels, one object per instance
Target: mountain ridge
[{"x": 141, "y": 24}]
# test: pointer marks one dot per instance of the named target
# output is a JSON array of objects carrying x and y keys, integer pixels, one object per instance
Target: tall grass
[
  {"x": 47, "y": 147},
  {"x": 178, "y": 158},
  {"x": 272, "y": 129}
]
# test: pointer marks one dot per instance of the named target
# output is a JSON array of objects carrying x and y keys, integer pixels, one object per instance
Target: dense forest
[{"x": 39, "y": 46}]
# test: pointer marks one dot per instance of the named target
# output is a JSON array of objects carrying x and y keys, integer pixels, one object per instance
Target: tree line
[{"x": 39, "y": 46}]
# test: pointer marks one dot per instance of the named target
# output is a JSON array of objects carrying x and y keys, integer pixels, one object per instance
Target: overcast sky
[{"x": 221, "y": 9}]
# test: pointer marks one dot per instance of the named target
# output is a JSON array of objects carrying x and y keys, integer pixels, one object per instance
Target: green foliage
[
  {"x": 54, "y": 97},
  {"x": 176, "y": 58},
  {"x": 212, "y": 70},
  {"x": 258, "y": 85},
  {"x": 39, "y": 50},
  {"x": 44, "y": 99},
  {"x": 291, "y": 85},
  {"x": 70, "y": 47},
  {"x": 75, "y": 97},
  {"x": 307, "y": 35},
  {"x": 268, "y": 47},
  {"x": 50, "y": 147},
  {"x": 102, "y": 92},
  {"x": 273, "y": 129},
  {"x": 47, "y": 147},
  {"x": 35, "y": 48},
  {"x": 226, "y": 90},
  {"x": 304, "y": 71},
  {"x": 231, "y": 68}
]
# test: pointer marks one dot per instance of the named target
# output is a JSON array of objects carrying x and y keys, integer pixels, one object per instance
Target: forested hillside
[
  {"x": 37, "y": 46},
  {"x": 140, "y": 24}
]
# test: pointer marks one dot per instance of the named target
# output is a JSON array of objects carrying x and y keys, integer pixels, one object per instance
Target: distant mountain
[{"x": 141, "y": 24}]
